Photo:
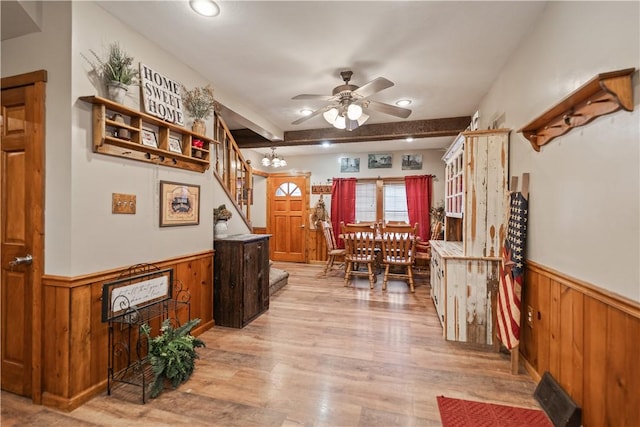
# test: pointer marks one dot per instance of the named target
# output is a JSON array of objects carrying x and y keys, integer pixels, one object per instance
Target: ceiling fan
[{"x": 350, "y": 105}]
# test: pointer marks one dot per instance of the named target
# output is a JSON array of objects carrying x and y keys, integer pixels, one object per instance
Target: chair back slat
[{"x": 329, "y": 237}]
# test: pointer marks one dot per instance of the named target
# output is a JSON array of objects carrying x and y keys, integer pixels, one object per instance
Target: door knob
[{"x": 27, "y": 259}]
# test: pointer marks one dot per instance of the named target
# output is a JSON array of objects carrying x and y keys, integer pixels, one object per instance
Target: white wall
[
  {"x": 325, "y": 167},
  {"x": 584, "y": 217},
  {"x": 81, "y": 234}
]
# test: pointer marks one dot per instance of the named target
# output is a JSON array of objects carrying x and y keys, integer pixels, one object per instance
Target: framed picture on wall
[
  {"x": 179, "y": 204},
  {"x": 348, "y": 164},
  {"x": 148, "y": 137},
  {"x": 380, "y": 161},
  {"x": 411, "y": 161},
  {"x": 175, "y": 145}
]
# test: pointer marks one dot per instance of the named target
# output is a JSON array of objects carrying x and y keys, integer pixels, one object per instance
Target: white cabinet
[{"x": 464, "y": 267}]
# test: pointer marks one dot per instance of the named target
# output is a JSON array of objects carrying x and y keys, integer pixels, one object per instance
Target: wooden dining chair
[
  {"x": 333, "y": 251},
  {"x": 397, "y": 250},
  {"x": 359, "y": 246}
]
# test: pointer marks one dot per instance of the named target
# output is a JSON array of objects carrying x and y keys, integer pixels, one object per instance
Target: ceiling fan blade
[
  {"x": 374, "y": 86},
  {"x": 308, "y": 96},
  {"x": 387, "y": 108},
  {"x": 315, "y": 113}
]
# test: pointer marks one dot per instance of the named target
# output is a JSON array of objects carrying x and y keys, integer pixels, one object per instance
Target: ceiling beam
[{"x": 451, "y": 126}]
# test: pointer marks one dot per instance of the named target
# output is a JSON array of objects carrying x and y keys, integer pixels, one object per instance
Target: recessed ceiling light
[
  {"x": 403, "y": 102},
  {"x": 306, "y": 111},
  {"x": 205, "y": 7},
  {"x": 409, "y": 139},
  {"x": 326, "y": 144}
]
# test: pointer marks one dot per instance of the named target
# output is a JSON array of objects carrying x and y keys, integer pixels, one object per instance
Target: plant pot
[
  {"x": 199, "y": 126},
  {"x": 221, "y": 229},
  {"x": 116, "y": 91}
]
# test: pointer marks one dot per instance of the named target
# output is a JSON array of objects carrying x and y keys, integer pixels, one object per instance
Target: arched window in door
[{"x": 288, "y": 189}]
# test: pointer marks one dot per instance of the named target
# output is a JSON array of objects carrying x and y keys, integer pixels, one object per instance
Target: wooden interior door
[
  {"x": 22, "y": 231},
  {"x": 287, "y": 212}
]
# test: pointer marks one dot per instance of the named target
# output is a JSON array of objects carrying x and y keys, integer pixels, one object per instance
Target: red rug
[{"x": 465, "y": 413}]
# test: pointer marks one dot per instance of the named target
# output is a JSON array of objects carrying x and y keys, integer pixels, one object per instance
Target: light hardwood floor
[{"x": 323, "y": 355}]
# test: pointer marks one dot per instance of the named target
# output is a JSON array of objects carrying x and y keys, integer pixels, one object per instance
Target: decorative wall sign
[
  {"x": 411, "y": 161},
  {"x": 161, "y": 96},
  {"x": 380, "y": 161},
  {"x": 321, "y": 189},
  {"x": 179, "y": 204},
  {"x": 350, "y": 164}
]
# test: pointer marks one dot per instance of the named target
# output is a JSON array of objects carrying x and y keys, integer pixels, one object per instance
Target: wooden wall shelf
[
  {"x": 106, "y": 140},
  {"x": 603, "y": 94}
]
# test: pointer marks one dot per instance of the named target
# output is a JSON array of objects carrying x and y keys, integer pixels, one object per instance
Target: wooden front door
[
  {"x": 22, "y": 230},
  {"x": 287, "y": 211}
]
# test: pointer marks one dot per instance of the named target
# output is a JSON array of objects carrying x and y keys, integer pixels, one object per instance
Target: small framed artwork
[
  {"x": 411, "y": 161},
  {"x": 175, "y": 145},
  {"x": 179, "y": 204},
  {"x": 348, "y": 164},
  {"x": 149, "y": 138},
  {"x": 380, "y": 161}
]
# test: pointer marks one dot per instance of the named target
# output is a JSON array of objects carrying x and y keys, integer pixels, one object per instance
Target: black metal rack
[{"x": 144, "y": 293}]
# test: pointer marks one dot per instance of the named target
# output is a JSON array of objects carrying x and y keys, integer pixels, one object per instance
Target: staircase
[{"x": 231, "y": 170}]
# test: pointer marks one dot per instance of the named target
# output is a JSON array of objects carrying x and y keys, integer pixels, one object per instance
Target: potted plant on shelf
[
  {"x": 220, "y": 217},
  {"x": 116, "y": 71},
  {"x": 199, "y": 103},
  {"x": 172, "y": 354}
]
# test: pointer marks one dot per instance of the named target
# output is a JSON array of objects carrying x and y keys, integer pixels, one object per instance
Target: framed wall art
[
  {"x": 411, "y": 161},
  {"x": 380, "y": 161},
  {"x": 350, "y": 164},
  {"x": 179, "y": 204},
  {"x": 148, "y": 137},
  {"x": 175, "y": 145}
]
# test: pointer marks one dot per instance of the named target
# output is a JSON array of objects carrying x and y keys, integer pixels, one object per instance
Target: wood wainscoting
[
  {"x": 74, "y": 339},
  {"x": 588, "y": 339}
]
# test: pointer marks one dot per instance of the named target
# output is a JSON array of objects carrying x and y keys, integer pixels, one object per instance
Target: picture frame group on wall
[
  {"x": 179, "y": 204},
  {"x": 380, "y": 161},
  {"x": 350, "y": 164}
]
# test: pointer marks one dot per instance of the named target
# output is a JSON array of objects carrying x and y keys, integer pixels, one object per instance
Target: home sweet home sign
[{"x": 161, "y": 96}]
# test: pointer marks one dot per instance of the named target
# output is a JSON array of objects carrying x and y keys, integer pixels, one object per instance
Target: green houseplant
[
  {"x": 116, "y": 70},
  {"x": 172, "y": 354}
]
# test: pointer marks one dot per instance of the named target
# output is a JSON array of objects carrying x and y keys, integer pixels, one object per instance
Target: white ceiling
[{"x": 443, "y": 56}]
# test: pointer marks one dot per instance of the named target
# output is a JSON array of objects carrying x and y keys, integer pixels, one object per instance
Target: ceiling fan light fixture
[
  {"x": 363, "y": 118},
  {"x": 340, "y": 122},
  {"x": 354, "y": 111},
  {"x": 330, "y": 115}
]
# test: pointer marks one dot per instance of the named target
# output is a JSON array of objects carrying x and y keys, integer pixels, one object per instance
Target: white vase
[
  {"x": 221, "y": 229},
  {"x": 116, "y": 91}
]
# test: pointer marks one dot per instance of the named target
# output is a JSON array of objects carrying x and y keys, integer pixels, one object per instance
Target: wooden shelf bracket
[{"x": 604, "y": 94}]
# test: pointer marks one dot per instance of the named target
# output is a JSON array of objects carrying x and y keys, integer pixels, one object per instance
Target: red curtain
[
  {"x": 343, "y": 204},
  {"x": 419, "y": 203}
]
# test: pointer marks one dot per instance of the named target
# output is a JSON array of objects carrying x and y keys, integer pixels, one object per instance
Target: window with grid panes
[
  {"x": 392, "y": 207},
  {"x": 366, "y": 201}
]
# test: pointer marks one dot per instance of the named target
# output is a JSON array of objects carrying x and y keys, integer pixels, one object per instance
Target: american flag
[{"x": 512, "y": 272}]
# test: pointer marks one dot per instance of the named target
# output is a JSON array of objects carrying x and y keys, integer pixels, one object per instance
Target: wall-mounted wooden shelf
[
  {"x": 108, "y": 139},
  {"x": 603, "y": 94}
]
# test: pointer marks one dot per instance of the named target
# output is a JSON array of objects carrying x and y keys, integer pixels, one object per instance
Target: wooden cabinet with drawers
[{"x": 241, "y": 279}]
